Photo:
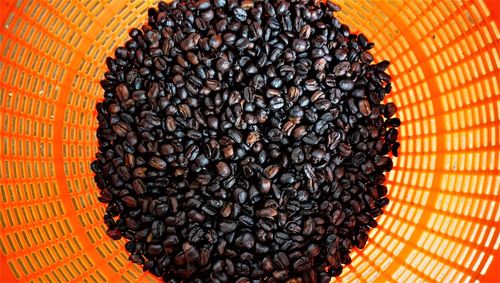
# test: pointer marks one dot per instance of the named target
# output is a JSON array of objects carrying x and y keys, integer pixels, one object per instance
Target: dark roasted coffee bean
[
  {"x": 190, "y": 253},
  {"x": 227, "y": 227},
  {"x": 129, "y": 201},
  {"x": 202, "y": 4},
  {"x": 267, "y": 212},
  {"x": 390, "y": 110},
  {"x": 223, "y": 65},
  {"x": 190, "y": 42},
  {"x": 223, "y": 169},
  {"x": 195, "y": 216},
  {"x": 121, "y": 128},
  {"x": 157, "y": 163},
  {"x": 280, "y": 260},
  {"x": 122, "y": 92},
  {"x": 242, "y": 43},
  {"x": 138, "y": 186},
  {"x": 346, "y": 85},
  {"x": 245, "y": 241},
  {"x": 265, "y": 185},
  {"x": 235, "y": 135},
  {"x": 299, "y": 45},
  {"x": 308, "y": 228},
  {"x": 302, "y": 264},
  {"x": 310, "y": 139},
  {"x": 364, "y": 107},
  {"x": 276, "y": 103},
  {"x": 271, "y": 171},
  {"x": 240, "y": 14},
  {"x": 322, "y": 104},
  {"x": 287, "y": 178},
  {"x": 395, "y": 148},
  {"x": 366, "y": 57},
  {"x": 382, "y": 66}
]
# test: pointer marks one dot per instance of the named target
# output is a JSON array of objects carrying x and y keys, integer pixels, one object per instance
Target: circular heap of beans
[{"x": 244, "y": 141}]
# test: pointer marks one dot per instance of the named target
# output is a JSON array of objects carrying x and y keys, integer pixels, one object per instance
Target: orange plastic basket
[{"x": 442, "y": 223}]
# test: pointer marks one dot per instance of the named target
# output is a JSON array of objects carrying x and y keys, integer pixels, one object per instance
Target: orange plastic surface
[{"x": 441, "y": 226}]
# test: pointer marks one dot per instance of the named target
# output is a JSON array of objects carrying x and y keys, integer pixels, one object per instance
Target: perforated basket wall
[{"x": 442, "y": 223}]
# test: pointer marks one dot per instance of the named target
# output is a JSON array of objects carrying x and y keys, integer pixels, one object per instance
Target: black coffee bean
[
  {"x": 322, "y": 104},
  {"x": 280, "y": 260},
  {"x": 390, "y": 110},
  {"x": 196, "y": 216},
  {"x": 203, "y": 4},
  {"x": 138, "y": 186},
  {"x": 235, "y": 135},
  {"x": 305, "y": 32},
  {"x": 157, "y": 163},
  {"x": 121, "y": 128},
  {"x": 310, "y": 139},
  {"x": 242, "y": 44},
  {"x": 337, "y": 217},
  {"x": 346, "y": 85},
  {"x": 274, "y": 135},
  {"x": 240, "y": 14},
  {"x": 190, "y": 253},
  {"x": 227, "y": 227},
  {"x": 271, "y": 171},
  {"x": 395, "y": 148},
  {"x": 223, "y": 169},
  {"x": 308, "y": 228},
  {"x": 299, "y": 45},
  {"x": 223, "y": 65},
  {"x": 302, "y": 264},
  {"x": 382, "y": 66},
  {"x": 129, "y": 201},
  {"x": 366, "y": 57},
  {"x": 229, "y": 38},
  {"x": 267, "y": 212},
  {"x": 287, "y": 178},
  {"x": 245, "y": 241}
]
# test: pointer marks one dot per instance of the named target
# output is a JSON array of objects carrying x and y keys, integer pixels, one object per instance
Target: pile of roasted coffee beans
[{"x": 244, "y": 141}]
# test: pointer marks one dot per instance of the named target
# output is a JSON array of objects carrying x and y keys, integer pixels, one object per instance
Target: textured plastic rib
[{"x": 442, "y": 224}]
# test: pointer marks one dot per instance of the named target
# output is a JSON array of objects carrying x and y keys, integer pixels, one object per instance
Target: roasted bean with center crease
[
  {"x": 244, "y": 141},
  {"x": 157, "y": 163}
]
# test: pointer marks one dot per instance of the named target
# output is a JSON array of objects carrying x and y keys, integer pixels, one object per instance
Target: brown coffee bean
[
  {"x": 271, "y": 171},
  {"x": 364, "y": 107},
  {"x": 223, "y": 169},
  {"x": 157, "y": 163},
  {"x": 267, "y": 212},
  {"x": 129, "y": 201},
  {"x": 122, "y": 92}
]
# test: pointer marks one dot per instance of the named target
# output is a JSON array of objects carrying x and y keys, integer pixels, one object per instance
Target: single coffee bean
[
  {"x": 271, "y": 171},
  {"x": 299, "y": 45},
  {"x": 223, "y": 169},
  {"x": 280, "y": 260},
  {"x": 129, "y": 201},
  {"x": 122, "y": 92},
  {"x": 157, "y": 163},
  {"x": 267, "y": 212},
  {"x": 245, "y": 241},
  {"x": 346, "y": 85},
  {"x": 240, "y": 14},
  {"x": 390, "y": 110}
]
